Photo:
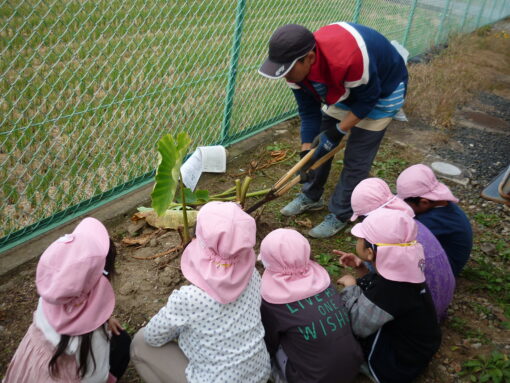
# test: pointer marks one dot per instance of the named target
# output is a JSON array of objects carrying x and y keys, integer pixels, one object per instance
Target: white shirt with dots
[{"x": 223, "y": 342}]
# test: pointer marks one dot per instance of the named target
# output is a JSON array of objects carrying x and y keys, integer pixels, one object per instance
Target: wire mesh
[{"x": 89, "y": 86}]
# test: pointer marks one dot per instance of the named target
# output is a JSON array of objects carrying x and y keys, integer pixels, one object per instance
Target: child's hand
[
  {"x": 348, "y": 259},
  {"x": 114, "y": 325},
  {"x": 347, "y": 280}
]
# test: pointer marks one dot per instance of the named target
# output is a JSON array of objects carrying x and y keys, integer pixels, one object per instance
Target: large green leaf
[{"x": 170, "y": 153}]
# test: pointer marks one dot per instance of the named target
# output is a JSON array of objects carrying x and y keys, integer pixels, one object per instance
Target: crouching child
[{"x": 391, "y": 310}]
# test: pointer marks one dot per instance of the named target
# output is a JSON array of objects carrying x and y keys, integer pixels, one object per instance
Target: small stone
[
  {"x": 134, "y": 227},
  {"x": 153, "y": 242},
  {"x": 165, "y": 280},
  {"x": 7, "y": 286},
  {"x": 488, "y": 248},
  {"x": 26, "y": 273},
  {"x": 144, "y": 252},
  {"x": 476, "y": 346},
  {"x": 127, "y": 288}
]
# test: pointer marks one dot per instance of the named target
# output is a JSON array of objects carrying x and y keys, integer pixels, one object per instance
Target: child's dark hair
[
  {"x": 85, "y": 339},
  {"x": 85, "y": 349},
  {"x": 413, "y": 200},
  {"x": 369, "y": 245},
  {"x": 109, "y": 265}
]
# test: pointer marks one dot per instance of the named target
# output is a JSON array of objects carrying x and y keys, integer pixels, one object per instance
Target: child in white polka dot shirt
[{"x": 216, "y": 319}]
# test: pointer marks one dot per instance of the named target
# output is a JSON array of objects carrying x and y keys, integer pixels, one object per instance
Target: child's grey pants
[
  {"x": 166, "y": 364},
  {"x": 361, "y": 149}
]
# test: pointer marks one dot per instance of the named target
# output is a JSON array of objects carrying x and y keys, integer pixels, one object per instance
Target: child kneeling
[
  {"x": 391, "y": 310},
  {"x": 308, "y": 333},
  {"x": 216, "y": 319},
  {"x": 69, "y": 340}
]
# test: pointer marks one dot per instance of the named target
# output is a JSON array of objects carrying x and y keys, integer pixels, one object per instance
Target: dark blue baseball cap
[{"x": 287, "y": 45}]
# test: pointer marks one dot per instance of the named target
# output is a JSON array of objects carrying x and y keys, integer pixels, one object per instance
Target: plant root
[{"x": 277, "y": 156}]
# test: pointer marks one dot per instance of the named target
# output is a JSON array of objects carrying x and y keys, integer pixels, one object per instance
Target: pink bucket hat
[
  {"x": 290, "y": 274},
  {"x": 420, "y": 181},
  {"x": 221, "y": 259},
  {"x": 399, "y": 257},
  {"x": 76, "y": 297},
  {"x": 372, "y": 194}
]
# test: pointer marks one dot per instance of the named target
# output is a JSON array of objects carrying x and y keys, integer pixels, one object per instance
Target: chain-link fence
[{"x": 89, "y": 86}]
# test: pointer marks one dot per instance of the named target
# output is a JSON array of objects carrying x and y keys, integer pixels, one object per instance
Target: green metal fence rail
[{"x": 89, "y": 86}]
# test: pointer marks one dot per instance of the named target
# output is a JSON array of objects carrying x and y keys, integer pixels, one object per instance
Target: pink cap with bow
[
  {"x": 290, "y": 274},
  {"x": 221, "y": 259},
  {"x": 399, "y": 256},
  {"x": 372, "y": 194},
  {"x": 420, "y": 181},
  {"x": 76, "y": 297}
]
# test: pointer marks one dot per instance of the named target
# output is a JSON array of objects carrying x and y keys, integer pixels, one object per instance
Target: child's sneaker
[
  {"x": 300, "y": 204},
  {"x": 327, "y": 228}
]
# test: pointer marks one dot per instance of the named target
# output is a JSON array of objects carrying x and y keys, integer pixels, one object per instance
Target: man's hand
[
  {"x": 327, "y": 141},
  {"x": 347, "y": 280},
  {"x": 303, "y": 153}
]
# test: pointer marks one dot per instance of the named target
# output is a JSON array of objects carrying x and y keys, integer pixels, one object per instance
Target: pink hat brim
[
  {"x": 223, "y": 284},
  {"x": 440, "y": 193},
  {"x": 357, "y": 231},
  {"x": 401, "y": 264},
  {"x": 280, "y": 288},
  {"x": 84, "y": 318}
]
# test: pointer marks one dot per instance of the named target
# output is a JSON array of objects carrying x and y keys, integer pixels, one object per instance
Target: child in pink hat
[
  {"x": 436, "y": 207},
  {"x": 70, "y": 339},
  {"x": 308, "y": 333},
  {"x": 391, "y": 310},
  {"x": 373, "y": 194},
  {"x": 216, "y": 319}
]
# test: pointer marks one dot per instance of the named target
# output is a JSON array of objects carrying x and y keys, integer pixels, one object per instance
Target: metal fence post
[
  {"x": 409, "y": 22},
  {"x": 357, "y": 11},
  {"x": 480, "y": 14},
  {"x": 443, "y": 18},
  {"x": 465, "y": 15},
  {"x": 234, "y": 60}
]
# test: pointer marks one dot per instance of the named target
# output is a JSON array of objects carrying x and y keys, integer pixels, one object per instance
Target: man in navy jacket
[{"x": 346, "y": 78}]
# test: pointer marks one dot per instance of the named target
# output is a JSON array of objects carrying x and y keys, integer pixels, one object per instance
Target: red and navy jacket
[{"x": 354, "y": 65}]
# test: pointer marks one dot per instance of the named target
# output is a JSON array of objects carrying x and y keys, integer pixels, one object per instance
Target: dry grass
[{"x": 468, "y": 65}]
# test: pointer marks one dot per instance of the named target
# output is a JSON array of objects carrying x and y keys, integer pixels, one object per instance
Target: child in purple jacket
[{"x": 373, "y": 194}]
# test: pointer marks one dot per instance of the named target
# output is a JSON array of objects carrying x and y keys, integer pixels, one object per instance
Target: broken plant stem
[
  {"x": 244, "y": 189},
  {"x": 186, "y": 238},
  {"x": 238, "y": 190},
  {"x": 225, "y": 193},
  {"x": 257, "y": 193}
]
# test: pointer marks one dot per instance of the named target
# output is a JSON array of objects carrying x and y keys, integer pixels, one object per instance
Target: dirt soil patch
[{"x": 479, "y": 317}]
